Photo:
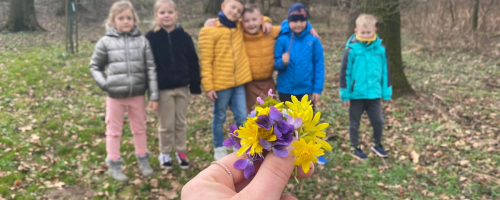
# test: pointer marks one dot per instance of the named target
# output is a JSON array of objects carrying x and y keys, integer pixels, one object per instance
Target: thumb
[{"x": 272, "y": 177}]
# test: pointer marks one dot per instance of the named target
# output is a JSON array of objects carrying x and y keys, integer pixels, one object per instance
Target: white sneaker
[
  {"x": 165, "y": 161},
  {"x": 220, "y": 152}
]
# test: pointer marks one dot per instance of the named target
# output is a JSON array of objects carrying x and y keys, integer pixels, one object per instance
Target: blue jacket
[
  {"x": 365, "y": 72},
  {"x": 305, "y": 73}
]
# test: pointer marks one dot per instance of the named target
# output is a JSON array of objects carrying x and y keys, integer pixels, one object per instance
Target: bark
[
  {"x": 22, "y": 17},
  {"x": 213, "y": 6}
]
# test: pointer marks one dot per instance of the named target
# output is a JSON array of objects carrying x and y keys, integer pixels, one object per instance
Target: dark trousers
[
  {"x": 373, "y": 108},
  {"x": 288, "y": 97}
]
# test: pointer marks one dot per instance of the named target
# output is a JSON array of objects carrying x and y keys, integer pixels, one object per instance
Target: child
[
  {"x": 364, "y": 79},
  {"x": 224, "y": 69},
  {"x": 299, "y": 59},
  {"x": 131, "y": 70},
  {"x": 177, "y": 67}
]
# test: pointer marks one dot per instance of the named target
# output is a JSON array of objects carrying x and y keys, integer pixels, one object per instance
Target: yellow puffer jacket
[
  {"x": 260, "y": 51},
  {"x": 223, "y": 57}
]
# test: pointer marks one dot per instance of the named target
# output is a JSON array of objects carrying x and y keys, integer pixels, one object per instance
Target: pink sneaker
[{"x": 183, "y": 161}]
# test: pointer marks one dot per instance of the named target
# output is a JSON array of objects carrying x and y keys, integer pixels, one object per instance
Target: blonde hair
[
  {"x": 156, "y": 27},
  {"x": 366, "y": 20},
  {"x": 117, "y": 8}
]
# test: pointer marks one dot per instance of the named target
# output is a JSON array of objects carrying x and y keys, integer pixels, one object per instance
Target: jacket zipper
[
  {"x": 171, "y": 52},
  {"x": 127, "y": 53},
  {"x": 352, "y": 88},
  {"x": 234, "y": 61}
]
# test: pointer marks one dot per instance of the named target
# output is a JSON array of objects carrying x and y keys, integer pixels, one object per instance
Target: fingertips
[{"x": 301, "y": 174}]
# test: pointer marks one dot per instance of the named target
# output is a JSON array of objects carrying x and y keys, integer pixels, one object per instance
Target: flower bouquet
[{"x": 272, "y": 126}]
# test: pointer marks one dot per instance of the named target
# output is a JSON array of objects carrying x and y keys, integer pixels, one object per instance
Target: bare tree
[
  {"x": 475, "y": 13},
  {"x": 277, "y": 3},
  {"x": 354, "y": 11},
  {"x": 389, "y": 29},
  {"x": 22, "y": 17},
  {"x": 213, "y": 6}
]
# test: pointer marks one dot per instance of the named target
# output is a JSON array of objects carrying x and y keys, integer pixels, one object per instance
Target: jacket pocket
[{"x": 352, "y": 88}]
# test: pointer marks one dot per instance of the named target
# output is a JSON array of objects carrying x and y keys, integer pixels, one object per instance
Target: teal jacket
[{"x": 365, "y": 72}]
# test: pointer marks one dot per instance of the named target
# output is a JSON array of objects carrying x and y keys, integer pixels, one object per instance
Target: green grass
[{"x": 50, "y": 94}]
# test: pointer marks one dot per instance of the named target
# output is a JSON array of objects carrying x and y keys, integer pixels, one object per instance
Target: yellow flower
[
  {"x": 249, "y": 135},
  {"x": 311, "y": 130},
  {"x": 299, "y": 108},
  {"x": 306, "y": 153}
]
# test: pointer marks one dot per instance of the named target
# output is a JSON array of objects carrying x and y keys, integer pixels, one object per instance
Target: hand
[
  {"x": 316, "y": 98},
  {"x": 211, "y": 22},
  {"x": 347, "y": 103},
  {"x": 153, "y": 105},
  {"x": 212, "y": 95},
  {"x": 267, "y": 28},
  {"x": 268, "y": 183},
  {"x": 286, "y": 58},
  {"x": 314, "y": 33}
]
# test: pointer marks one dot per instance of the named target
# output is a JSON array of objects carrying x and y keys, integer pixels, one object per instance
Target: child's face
[
  {"x": 166, "y": 15},
  {"x": 232, "y": 10},
  {"x": 124, "y": 21},
  {"x": 252, "y": 21},
  {"x": 365, "y": 32},
  {"x": 297, "y": 26}
]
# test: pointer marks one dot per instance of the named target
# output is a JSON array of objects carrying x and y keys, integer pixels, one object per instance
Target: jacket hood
[
  {"x": 352, "y": 42},
  {"x": 110, "y": 31},
  {"x": 285, "y": 29}
]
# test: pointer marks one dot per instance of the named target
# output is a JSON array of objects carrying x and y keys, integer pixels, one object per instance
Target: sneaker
[
  {"x": 358, "y": 153},
  {"x": 183, "y": 161},
  {"x": 165, "y": 161},
  {"x": 379, "y": 150},
  {"x": 115, "y": 169},
  {"x": 321, "y": 160},
  {"x": 220, "y": 152}
]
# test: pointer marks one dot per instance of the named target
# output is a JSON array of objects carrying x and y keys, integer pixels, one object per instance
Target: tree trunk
[
  {"x": 306, "y": 3},
  {"x": 277, "y": 3},
  {"x": 475, "y": 13},
  {"x": 389, "y": 29},
  {"x": 251, "y": 1},
  {"x": 213, "y": 6},
  {"x": 354, "y": 11},
  {"x": 22, "y": 17}
]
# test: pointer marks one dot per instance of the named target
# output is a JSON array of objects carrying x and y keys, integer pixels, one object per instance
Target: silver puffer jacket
[{"x": 131, "y": 68}]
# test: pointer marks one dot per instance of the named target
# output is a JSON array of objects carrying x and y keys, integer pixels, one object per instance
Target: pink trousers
[{"x": 115, "y": 113}]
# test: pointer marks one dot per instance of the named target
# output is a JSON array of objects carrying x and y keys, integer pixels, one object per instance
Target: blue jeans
[{"x": 235, "y": 99}]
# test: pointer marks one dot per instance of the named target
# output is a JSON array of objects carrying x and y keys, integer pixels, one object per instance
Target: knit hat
[{"x": 296, "y": 12}]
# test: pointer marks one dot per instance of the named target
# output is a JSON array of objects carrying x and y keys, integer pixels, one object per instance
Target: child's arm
[
  {"x": 150, "y": 64},
  {"x": 206, "y": 45},
  {"x": 319, "y": 67},
  {"x": 279, "y": 50},
  {"x": 386, "y": 78},
  {"x": 97, "y": 62},
  {"x": 345, "y": 76},
  {"x": 194, "y": 67}
]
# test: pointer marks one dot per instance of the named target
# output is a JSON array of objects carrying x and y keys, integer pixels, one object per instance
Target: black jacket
[{"x": 176, "y": 59}]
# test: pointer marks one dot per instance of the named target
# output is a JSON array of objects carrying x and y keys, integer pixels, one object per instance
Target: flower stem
[{"x": 295, "y": 174}]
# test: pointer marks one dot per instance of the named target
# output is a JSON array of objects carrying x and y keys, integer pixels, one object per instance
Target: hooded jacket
[
  {"x": 305, "y": 73},
  {"x": 131, "y": 69},
  {"x": 176, "y": 59},
  {"x": 365, "y": 72}
]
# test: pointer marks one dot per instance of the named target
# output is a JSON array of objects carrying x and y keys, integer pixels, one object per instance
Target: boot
[
  {"x": 143, "y": 162},
  {"x": 115, "y": 169}
]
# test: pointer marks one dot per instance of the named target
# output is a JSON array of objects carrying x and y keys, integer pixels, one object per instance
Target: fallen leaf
[
  {"x": 154, "y": 183},
  {"x": 444, "y": 197},
  {"x": 356, "y": 194},
  {"x": 414, "y": 156},
  {"x": 438, "y": 154},
  {"x": 18, "y": 183},
  {"x": 462, "y": 178},
  {"x": 176, "y": 186},
  {"x": 464, "y": 162},
  {"x": 380, "y": 184},
  {"x": 172, "y": 194},
  {"x": 137, "y": 182}
]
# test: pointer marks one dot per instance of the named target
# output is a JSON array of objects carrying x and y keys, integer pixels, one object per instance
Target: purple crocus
[{"x": 233, "y": 140}]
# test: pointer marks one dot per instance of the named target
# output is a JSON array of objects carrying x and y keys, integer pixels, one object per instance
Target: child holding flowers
[
  {"x": 365, "y": 79},
  {"x": 131, "y": 72},
  {"x": 178, "y": 75}
]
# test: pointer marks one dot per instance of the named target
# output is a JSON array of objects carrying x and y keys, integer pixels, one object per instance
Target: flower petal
[
  {"x": 297, "y": 123},
  {"x": 280, "y": 153},
  {"x": 265, "y": 144},
  {"x": 263, "y": 121},
  {"x": 283, "y": 126},
  {"x": 241, "y": 164},
  {"x": 233, "y": 128},
  {"x": 274, "y": 115},
  {"x": 229, "y": 142},
  {"x": 249, "y": 170},
  {"x": 277, "y": 131},
  {"x": 305, "y": 167}
]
